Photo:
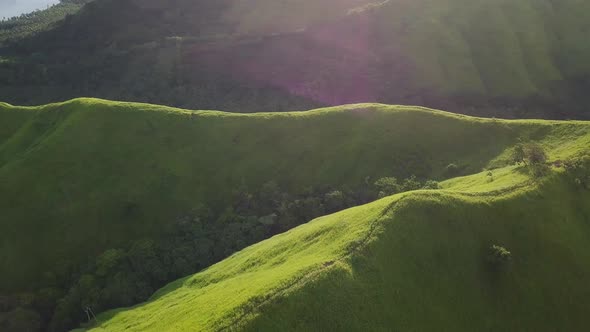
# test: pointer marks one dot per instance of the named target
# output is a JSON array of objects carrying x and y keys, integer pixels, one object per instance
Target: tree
[
  {"x": 431, "y": 184},
  {"x": 518, "y": 155},
  {"x": 335, "y": 201},
  {"x": 270, "y": 196},
  {"x": 529, "y": 153},
  {"x": 532, "y": 155},
  {"x": 108, "y": 261},
  {"x": 535, "y": 154},
  {"x": 499, "y": 255},
  {"x": 387, "y": 186},
  {"x": 411, "y": 183}
]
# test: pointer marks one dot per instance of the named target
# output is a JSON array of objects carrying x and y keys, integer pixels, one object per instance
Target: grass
[
  {"x": 411, "y": 262},
  {"x": 70, "y": 171}
]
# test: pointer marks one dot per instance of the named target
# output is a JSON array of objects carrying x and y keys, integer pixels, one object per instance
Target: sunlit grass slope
[
  {"x": 410, "y": 262},
  {"x": 83, "y": 176}
]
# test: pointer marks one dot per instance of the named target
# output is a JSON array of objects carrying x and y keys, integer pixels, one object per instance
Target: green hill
[
  {"x": 410, "y": 262},
  {"x": 103, "y": 201},
  {"x": 100, "y": 173},
  {"x": 503, "y": 58}
]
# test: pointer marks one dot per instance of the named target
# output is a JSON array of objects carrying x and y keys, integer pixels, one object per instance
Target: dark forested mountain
[{"x": 506, "y": 58}]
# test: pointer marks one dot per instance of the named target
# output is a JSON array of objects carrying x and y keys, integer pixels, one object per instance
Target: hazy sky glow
[{"x": 9, "y": 8}]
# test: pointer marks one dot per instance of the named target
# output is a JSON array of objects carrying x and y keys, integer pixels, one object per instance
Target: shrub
[{"x": 490, "y": 176}]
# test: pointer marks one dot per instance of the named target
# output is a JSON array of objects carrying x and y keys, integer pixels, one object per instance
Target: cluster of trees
[
  {"x": 533, "y": 156},
  {"x": 390, "y": 186},
  {"x": 125, "y": 276}
]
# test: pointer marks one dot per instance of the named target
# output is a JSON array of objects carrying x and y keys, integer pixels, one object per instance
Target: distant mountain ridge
[{"x": 506, "y": 58}]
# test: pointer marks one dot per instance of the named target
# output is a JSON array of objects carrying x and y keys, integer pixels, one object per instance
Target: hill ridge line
[{"x": 344, "y": 108}]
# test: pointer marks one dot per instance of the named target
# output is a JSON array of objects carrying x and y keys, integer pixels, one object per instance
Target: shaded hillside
[
  {"x": 390, "y": 264},
  {"x": 506, "y": 58}
]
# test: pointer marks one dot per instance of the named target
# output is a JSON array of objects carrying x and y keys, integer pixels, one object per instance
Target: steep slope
[
  {"x": 501, "y": 58},
  {"x": 411, "y": 262}
]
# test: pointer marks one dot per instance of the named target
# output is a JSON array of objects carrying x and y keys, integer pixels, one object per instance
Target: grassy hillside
[
  {"x": 82, "y": 179},
  {"x": 411, "y": 262},
  {"x": 110, "y": 172},
  {"x": 93, "y": 174}
]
